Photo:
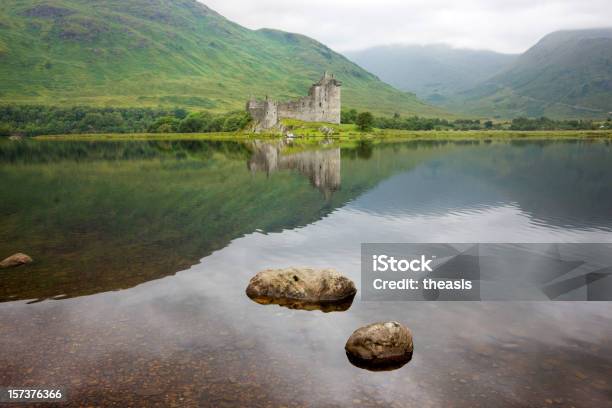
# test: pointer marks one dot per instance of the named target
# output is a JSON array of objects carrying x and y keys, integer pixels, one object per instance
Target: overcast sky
[{"x": 501, "y": 25}]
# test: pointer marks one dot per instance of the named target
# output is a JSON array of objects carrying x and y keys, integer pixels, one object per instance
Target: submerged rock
[
  {"x": 380, "y": 346},
  {"x": 15, "y": 260},
  {"x": 303, "y": 288}
]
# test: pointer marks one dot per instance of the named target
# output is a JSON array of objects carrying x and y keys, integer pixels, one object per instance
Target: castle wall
[
  {"x": 263, "y": 112},
  {"x": 323, "y": 104}
]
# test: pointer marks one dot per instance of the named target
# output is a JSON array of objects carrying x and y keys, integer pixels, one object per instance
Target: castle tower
[{"x": 327, "y": 99}]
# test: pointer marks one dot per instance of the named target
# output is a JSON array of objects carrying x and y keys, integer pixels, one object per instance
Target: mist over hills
[
  {"x": 434, "y": 72},
  {"x": 567, "y": 74},
  {"x": 167, "y": 53}
]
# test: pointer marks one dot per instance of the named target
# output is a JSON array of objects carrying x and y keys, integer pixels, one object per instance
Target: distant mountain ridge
[
  {"x": 434, "y": 72},
  {"x": 167, "y": 53},
  {"x": 567, "y": 74}
]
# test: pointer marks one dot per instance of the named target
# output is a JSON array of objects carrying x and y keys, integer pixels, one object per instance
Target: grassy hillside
[
  {"x": 166, "y": 53},
  {"x": 566, "y": 74},
  {"x": 433, "y": 72}
]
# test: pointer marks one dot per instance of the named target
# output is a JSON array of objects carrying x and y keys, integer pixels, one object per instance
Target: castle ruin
[{"x": 321, "y": 105}]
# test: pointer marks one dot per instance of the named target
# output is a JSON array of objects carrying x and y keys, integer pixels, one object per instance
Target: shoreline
[{"x": 374, "y": 136}]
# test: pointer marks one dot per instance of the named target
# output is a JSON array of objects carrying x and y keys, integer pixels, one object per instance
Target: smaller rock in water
[
  {"x": 303, "y": 288},
  {"x": 16, "y": 260},
  {"x": 380, "y": 346}
]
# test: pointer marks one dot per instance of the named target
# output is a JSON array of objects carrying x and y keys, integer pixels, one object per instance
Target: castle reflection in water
[{"x": 322, "y": 167}]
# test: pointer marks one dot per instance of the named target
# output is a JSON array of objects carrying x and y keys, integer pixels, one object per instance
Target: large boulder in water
[
  {"x": 303, "y": 288},
  {"x": 15, "y": 260},
  {"x": 380, "y": 346}
]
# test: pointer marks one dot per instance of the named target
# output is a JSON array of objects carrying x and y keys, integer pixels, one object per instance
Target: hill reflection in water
[{"x": 101, "y": 216}]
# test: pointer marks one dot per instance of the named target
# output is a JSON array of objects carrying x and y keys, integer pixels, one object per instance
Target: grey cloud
[{"x": 501, "y": 25}]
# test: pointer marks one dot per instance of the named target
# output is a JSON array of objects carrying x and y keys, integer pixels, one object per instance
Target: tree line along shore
[{"x": 36, "y": 120}]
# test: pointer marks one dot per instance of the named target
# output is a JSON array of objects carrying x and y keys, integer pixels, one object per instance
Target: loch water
[{"x": 143, "y": 250}]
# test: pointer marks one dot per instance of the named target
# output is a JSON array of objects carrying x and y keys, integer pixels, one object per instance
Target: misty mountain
[
  {"x": 433, "y": 72},
  {"x": 566, "y": 74}
]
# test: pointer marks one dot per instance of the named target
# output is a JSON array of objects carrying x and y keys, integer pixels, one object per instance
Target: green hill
[
  {"x": 166, "y": 53},
  {"x": 566, "y": 74}
]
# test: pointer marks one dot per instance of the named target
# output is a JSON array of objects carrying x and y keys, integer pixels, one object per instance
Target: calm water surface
[{"x": 144, "y": 249}]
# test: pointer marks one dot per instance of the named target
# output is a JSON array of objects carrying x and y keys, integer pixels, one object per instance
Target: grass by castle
[{"x": 349, "y": 136}]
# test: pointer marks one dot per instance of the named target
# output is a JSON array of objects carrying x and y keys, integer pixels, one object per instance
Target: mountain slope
[
  {"x": 433, "y": 72},
  {"x": 169, "y": 53},
  {"x": 566, "y": 74}
]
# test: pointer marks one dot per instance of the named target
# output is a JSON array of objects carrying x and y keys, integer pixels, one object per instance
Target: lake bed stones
[
  {"x": 14, "y": 260},
  {"x": 303, "y": 288},
  {"x": 380, "y": 346}
]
